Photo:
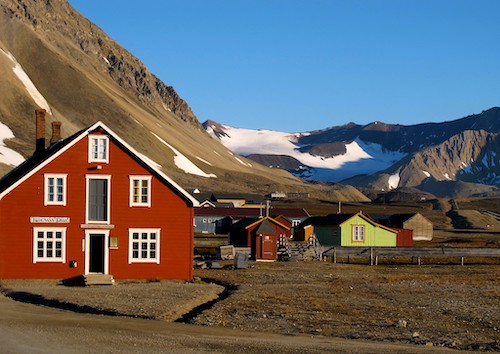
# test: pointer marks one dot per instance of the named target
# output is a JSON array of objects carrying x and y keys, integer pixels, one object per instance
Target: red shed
[
  {"x": 404, "y": 238},
  {"x": 261, "y": 235},
  {"x": 92, "y": 204}
]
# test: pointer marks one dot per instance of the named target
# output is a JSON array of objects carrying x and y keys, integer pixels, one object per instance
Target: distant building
[
  {"x": 218, "y": 220},
  {"x": 422, "y": 227},
  {"x": 355, "y": 230},
  {"x": 261, "y": 235}
]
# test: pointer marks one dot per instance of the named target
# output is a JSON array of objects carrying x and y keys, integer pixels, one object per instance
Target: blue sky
[{"x": 296, "y": 65}]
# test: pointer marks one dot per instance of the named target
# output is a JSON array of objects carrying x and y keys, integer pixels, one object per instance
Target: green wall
[
  {"x": 328, "y": 235},
  {"x": 333, "y": 235},
  {"x": 374, "y": 235}
]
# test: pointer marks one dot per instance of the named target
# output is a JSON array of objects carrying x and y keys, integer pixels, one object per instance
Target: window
[
  {"x": 144, "y": 246},
  {"x": 358, "y": 233},
  {"x": 49, "y": 244},
  {"x": 98, "y": 148},
  {"x": 55, "y": 189},
  {"x": 140, "y": 191},
  {"x": 98, "y": 198}
]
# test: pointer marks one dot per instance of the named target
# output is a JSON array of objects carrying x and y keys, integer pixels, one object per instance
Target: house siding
[
  {"x": 374, "y": 236},
  {"x": 421, "y": 226},
  {"x": 168, "y": 211},
  {"x": 328, "y": 235}
]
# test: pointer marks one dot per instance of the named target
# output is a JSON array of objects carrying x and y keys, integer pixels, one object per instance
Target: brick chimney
[
  {"x": 56, "y": 132},
  {"x": 40, "y": 131}
]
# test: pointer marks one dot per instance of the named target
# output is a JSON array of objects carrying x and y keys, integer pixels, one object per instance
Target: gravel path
[
  {"x": 164, "y": 300},
  {"x": 416, "y": 307}
]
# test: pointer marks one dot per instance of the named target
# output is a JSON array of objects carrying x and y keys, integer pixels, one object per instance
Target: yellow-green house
[{"x": 353, "y": 230}]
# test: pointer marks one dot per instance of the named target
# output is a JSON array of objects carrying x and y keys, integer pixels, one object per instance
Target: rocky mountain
[
  {"x": 382, "y": 156},
  {"x": 54, "y": 58}
]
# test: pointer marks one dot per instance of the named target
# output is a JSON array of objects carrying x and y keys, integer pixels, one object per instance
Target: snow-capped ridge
[{"x": 359, "y": 156}]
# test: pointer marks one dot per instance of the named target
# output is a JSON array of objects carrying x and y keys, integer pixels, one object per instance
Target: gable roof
[
  {"x": 267, "y": 220},
  {"x": 34, "y": 163},
  {"x": 399, "y": 219},
  {"x": 332, "y": 219},
  {"x": 265, "y": 228},
  {"x": 339, "y": 219}
]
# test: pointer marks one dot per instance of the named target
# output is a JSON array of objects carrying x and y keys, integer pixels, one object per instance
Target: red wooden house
[
  {"x": 261, "y": 235},
  {"x": 92, "y": 204}
]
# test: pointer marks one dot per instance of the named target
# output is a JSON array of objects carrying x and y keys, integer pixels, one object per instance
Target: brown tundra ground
[
  {"x": 439, "y": 305},
  {"x": 429, "y": 305}
]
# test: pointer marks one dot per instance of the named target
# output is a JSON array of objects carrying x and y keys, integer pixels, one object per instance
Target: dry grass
[{"x": 450, "y": 306}]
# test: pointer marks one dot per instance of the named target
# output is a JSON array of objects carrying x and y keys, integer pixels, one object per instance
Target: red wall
[
  {"x": 255, "y": 241},
  {"x": 286, "y": 222},
  {"x": 404, "y": 238},
  {"x": 168, "y": 211}
]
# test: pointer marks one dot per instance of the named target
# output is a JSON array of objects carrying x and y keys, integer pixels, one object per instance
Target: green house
[{"x": 354, "y": 230}]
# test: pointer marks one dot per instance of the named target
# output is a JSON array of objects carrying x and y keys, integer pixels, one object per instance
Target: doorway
[
  {"x": 96, "y": 256},
  {"x": 96, "y": 250},
  {"x": 269, "y": 247}
]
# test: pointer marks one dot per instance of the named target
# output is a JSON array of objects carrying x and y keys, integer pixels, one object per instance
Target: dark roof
[
  {"x": 332, "y": 219},
  {"x": 32, "y": 162},
  {"x": 252, "y": 212},
  {"x": 246, "y": 222},
  {"x": 214, "y": 197},
  {"x": 266, "y": 228},
  {"x": 338, "y": 219},
  {"x": 241, "y": 224},
  {"x": 399, "y": 219},
  {"x": 380, "y": 218}
]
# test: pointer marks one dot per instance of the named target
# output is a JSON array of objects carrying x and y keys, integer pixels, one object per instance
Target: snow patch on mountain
[
  {"x": 394, "y": 180},
  {"x": 183, "y": 162},
  {"x": 8, "y": 156},
  {"x": 243, "y": 162},
  {"x": 203, "y": 160},
  {"x": 28, "y": 84},
  {"x": 360, "y": 157}
]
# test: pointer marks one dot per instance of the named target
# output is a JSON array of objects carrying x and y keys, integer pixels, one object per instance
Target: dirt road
[{"x": 26, "y": 328}]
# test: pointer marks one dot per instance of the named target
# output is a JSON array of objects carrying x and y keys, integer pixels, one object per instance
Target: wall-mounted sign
[{"x": 49, "y": 219}]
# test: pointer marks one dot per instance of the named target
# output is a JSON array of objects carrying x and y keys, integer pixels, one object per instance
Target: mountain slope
[
  {"x": 379, "y": 156},
  {"x": 469, "y": 157},
  {"x": 54, "y": 58}
]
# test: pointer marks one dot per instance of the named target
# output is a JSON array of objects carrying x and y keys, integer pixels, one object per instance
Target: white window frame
[
  {"x": 55, "y": 176},
  {"x": 102, "y": 155},
  {"x": 131, "y": 193},
  {"x": 358, "y": 236},
  {"x": 140, "y": 242},
  {"x": 87, "y": 186},
  {"x": 46, "y": 240}
]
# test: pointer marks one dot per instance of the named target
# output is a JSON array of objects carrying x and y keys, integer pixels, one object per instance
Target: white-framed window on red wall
[
  {"x": 140, "y": 191},
  {"x": 143, "y": 245},
  {"x": 49, "y": 244},
  {"x": 98, "y": 148},
  {"x": 98, "y": 202},
  {"x": 55, "y": 188}
]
